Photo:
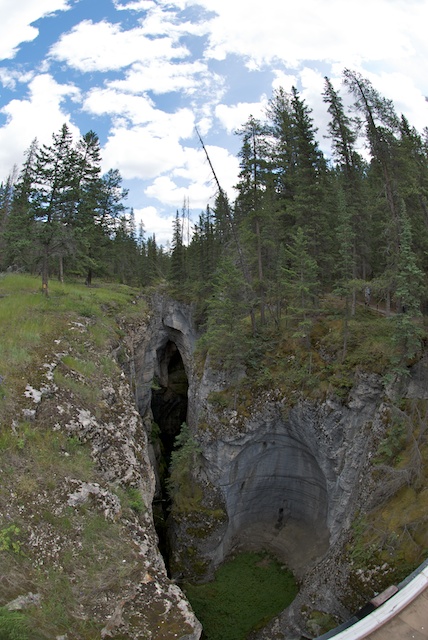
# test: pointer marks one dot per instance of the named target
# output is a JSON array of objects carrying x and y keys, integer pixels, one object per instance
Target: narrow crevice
[{"x": 169, "y": 409}]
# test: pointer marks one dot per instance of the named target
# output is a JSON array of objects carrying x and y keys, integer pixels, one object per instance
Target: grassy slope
[{"x": 71, "y": 556}]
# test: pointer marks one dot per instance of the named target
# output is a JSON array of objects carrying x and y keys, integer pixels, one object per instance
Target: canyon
[{"x": 287, "y": 478}]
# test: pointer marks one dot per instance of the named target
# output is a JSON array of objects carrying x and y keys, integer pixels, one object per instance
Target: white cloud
[
  {"x": 284, "y": 80},
  {"x": 43, "y": 106},
  {"x": 170, "y": 193},
  {"x": 407, "y": 97},
  {"x": 145, "y": 151},
  {"x": 199, "y": 185},
  {"x": 234, "y": 116},
  {"x": 104, "y": 46},
  {"x": 138, "y": 109},
  {"x": 155, "y": 223},
  {"x": 226, "y": 167},
  {"x": 17, "y": 18},
  {"x": 11, "y": 77},
  {"x": 313, "y": 30},
  {"x": 154, "y": 75}
]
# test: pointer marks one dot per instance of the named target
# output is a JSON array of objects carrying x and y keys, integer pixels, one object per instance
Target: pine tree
[
  {"x": 345, "y": 267},
  {"x": 89, "y": 234},
  {"x": 311, "y": 184},
  {"x": 51, "y": 198},
  {"x": 19, "y": 228},
  {"x": 302, "y": 182},
  {"x": 225, "y": 337},
  {"x": 299, "y": 278},
  {"x": 411, "y": 286},
  {"x": 412, "y": 174},
  {"x": 349, "y": 175},
  {"x": 381, "y": 124},
  {"x": 6, "y": 200},
  {"x": 178, "y": 258},
  {"x": 250, "y": 212}
]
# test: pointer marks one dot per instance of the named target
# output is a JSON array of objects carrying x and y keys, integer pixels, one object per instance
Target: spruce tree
[
  {"x": 250, "y": 212},
  {"x": 51, "y": 199},
  {"x": 19, "y": 227},
  {"x": 225, "y": 338},
  {"x": 411, "y": 285},
  {"x": 89, "y": 234},
  {"x": 178, "y": 258}
]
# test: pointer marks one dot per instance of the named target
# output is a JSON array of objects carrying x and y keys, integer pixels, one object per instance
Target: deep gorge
[{"x": 286, "y": 479}]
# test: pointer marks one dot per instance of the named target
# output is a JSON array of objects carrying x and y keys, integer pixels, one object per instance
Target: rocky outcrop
[
  {"x": 285, "y": 479},
  {"x": 288, "y": 477},
  {"x": 92, "y": 522},
  {"x": 168, "y": 322}
]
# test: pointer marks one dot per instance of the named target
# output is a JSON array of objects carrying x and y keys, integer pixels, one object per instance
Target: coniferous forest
[{"x": 303, "y": 226}]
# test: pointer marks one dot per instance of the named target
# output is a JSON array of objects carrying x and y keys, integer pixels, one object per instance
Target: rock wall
[
  {"x": 289, "y": 476},
  {"x": 168, "y": 321},
  {"x": 288, "y": 480}
]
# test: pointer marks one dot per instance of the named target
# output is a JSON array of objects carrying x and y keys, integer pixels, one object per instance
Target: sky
[{"x": 143, "y": 74}]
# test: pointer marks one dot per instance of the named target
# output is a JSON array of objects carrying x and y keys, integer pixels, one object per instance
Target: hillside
[{"x": 77, "y": 542}]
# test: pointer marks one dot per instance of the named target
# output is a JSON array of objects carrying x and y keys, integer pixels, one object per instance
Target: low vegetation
[
  {"x": 248, "y": 590},
  {"x": 68, "y": 555}
]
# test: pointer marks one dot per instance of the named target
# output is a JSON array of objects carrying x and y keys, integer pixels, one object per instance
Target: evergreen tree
[
  {"x": 411, "y": 286},
  {"x": 52, "y": 199},
  {"x": 349, "y": 174},
  {"x": 124, "y": 251},
  {"x": 310, "y": 209},
  {"x": 302, "y": 181},
  {"x": 6, "y": 200},
  {"x": 381, "y": 124},
  {"x": 228, "y": 308},
  {"x": 299, "y": 276},
  {"x": 89, "y": 234},
  {"x": 412, "y": 175},
  {"x": 19, "y": 227},
  {"x": 345, "y": 267},
  {"x": 250, "y": 212},
  {"x": 178, "y": 258}
]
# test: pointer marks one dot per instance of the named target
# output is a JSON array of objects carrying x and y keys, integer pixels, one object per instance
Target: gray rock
[{"x": 25, "y": 601}]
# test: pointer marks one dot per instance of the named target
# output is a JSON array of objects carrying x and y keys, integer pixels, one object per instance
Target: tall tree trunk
[
  {"x": 388, "y": 303},
  {"x": 45, "y": 271},
  {"x": 260, "y": 270},
  {"x": 61, "y": 270}
]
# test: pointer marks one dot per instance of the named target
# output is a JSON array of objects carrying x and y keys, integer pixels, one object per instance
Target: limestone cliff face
[
  {"x": 287, "y": 479},
  {"x": 289, "y": 476}
]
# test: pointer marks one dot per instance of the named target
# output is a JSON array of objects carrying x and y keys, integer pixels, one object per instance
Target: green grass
[
  {"x": 36, "y": 455},
  {"x": 29, "y": 323},
  {"x": 248, "y": 591},
  {"x": 13, "y": 625}
]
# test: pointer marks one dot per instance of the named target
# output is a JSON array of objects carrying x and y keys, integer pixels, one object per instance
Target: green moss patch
[{"x": 247, "y": 592}]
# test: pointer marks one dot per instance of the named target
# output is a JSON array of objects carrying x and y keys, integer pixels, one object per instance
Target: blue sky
[{"x": 143, "y": 73}]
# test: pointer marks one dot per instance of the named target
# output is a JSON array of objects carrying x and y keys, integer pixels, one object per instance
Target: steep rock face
[
  {"x": 168, "y": 322},
  {"x": 288, "y": 477},
  {"x": 284, "y": 478},
  {"x": 289, "y": 480}
]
